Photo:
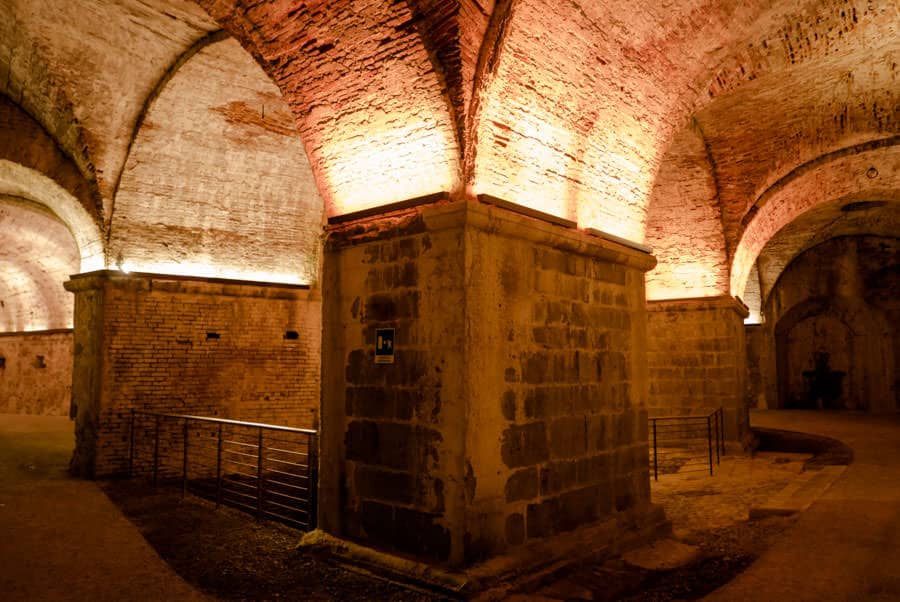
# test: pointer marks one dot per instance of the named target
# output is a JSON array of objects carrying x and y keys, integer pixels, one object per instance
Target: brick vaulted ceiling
[
  {"x": 699, "y": 126},
  {"x": 37, "y": 254}
]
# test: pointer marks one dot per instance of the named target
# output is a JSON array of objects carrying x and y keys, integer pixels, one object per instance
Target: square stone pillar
[
  {"x": 189, "y": 346},
  {"x": 513, "y": 412},
  {"x": 697, "y": 360}
]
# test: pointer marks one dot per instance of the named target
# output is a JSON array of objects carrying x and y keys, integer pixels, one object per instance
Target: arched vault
[
  {"x": 217, "y": 182},
  {"x": 842, "y": 179},
  {"x": 803, "y": 92},
  {"x": 38, "y": 254},
  {"x": 368, "y": 101},
  {"x": 579, "y": 109},
  {"x": 21, "y": 182}
]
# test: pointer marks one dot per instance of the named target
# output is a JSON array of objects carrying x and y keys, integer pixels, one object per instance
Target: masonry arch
[
  {"x": 217, "y": 182},
  {"x": 24, "y": 183},
  {"x": 868, "y": 173},
  {"x": 803, "y": 84},
  {"x": 392, "y": 137},
  {"x": 37, "y": 256}
]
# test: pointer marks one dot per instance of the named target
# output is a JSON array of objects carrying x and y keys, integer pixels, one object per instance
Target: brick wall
[
  {"x": 189, "y": 346},
  {"x": 513, "y": 412},
  {"x": 696, "y": 357},
  {"x": 36, "y": 372}
]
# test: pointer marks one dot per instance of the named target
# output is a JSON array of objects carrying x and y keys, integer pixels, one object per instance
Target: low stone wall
[
  {"x": 36, "y": 372},
  {"x": 696, "y": 355},
  {"x": 239, "y": 350}
]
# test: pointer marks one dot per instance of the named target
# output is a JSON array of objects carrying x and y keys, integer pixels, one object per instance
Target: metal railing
[
  {"x": 265, "y": 469},
  {"x": 686, "y": 443}
]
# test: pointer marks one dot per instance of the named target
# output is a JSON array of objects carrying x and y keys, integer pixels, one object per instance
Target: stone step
[{"x": 799, "y": 494}]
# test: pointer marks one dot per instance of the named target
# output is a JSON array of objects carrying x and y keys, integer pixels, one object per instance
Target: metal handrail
[
  {"x": 676, "y": 431},
  {"x": 271, "y": 427},
  {"x": 173, "y": 446}
]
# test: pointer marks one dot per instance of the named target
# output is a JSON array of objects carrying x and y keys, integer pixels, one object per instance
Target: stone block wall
[
  {"x": 393, "y": 433},
  {"x": 36, "y": 372},
  {"x": 760, "y": 381},
  {"x": 514, "y": 409},
  {"x": 183, "y": 345},
  {"x": 556, "y": 335},
  {"x": 696, "y": 356}
]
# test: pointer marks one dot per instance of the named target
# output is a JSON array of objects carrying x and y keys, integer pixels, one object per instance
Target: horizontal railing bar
[
  {"x": 238, "y": 493},
  {"x": 238, "y": 503},
  {"x": 684, "y": 417},
  {"x": 292, "y": 438},
  {"x": 268, "y": 459},
  {"x": 295, "y": 446},
  {"x": 243, "y": 455},
  {"x": 291, "y": 508},
  {"x": 241, "y": 464},
  {"x": 279, "y": 517},
  {"x": 241, "y": 443},
  {"x": 243, "y": 474},
  {"x": 272, "y": 427},
  {"x": 290, "y": 475},
  {"x": 297, "y": 514},
  {"x": 287, "y": 474},
  {"x": 283, "y": 494},
  {"x": 285, "y": 451}
]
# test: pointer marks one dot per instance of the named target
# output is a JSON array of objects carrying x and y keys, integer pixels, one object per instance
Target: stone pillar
[
  {"x": 187, "y": 345},
  {"x": 761, "y": 388},
  {"x": 513, "y": 413},
  {"x": 696, "y": 355}
]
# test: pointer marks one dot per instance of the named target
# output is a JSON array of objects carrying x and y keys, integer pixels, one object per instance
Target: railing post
[
  {"x": 709, "y": 442},
  {"x": 219, "y": 469},
  {"x": 655, "y": 452},
  {"x": 184, "y": 460},
  {"x": 718, "y": 446},
  {"x": 259, "y": 476},
  {"x": 131, "y": 447},
  {"x": 312, "y": 474},
  {"x": 722, "y": 429},
  {"x": 156, "y": 452}
]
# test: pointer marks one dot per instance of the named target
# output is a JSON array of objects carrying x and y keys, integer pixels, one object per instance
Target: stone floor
[
  {"x": 62, "y": 538},
  {"x": 58, "y": 532},
  {"x": 705, "y": 512},
  {"x": 846, "y": 546}
]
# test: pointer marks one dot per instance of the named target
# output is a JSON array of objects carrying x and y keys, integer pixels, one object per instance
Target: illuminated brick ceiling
[{"x": 702, "y": 128}]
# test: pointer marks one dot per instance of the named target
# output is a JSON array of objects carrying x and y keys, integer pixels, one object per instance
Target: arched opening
[
  {"x": 814, "y": 363},
  {"x": 36, "y": 314},
  {"x": 834, "y": 346}
]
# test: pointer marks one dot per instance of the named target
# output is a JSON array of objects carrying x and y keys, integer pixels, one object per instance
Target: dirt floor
[{"x": 229, "y": 555}]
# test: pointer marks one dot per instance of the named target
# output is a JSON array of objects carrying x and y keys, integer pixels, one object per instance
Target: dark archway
[{"x": 831, "y": 354}]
